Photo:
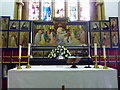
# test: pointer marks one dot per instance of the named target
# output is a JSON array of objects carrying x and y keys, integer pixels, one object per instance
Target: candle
[
  {"x": 20, "y": 49},
  {"x": 89, "y": 44},
  {"x": 29, "y": 49},
  {"x": 104, "y": 52},
  {"x": 31, "y": 56},
  {"x": 31, "y": 36},
  {"x": 88, "y": 38},
  {"x": 31, "y": 32},
  {"x": 95, "y": 48}
]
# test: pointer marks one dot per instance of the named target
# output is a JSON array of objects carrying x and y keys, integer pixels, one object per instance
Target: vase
[{"x": 60, "y": 57}]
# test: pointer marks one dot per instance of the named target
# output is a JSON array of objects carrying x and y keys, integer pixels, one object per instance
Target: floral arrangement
[{"x": 59, "y": 53}]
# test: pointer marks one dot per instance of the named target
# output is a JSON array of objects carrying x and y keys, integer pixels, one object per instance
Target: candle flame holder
[
  {"x": 105, "y": 65},
  {"x": 28, "y": 65},
  {"x": 19, "y": 67},
  {"x": 96, "y": 65}
]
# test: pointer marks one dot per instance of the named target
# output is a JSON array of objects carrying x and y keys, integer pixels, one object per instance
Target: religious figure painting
[
  {"x": 94, "y": 26},
  {"x": 95, "y": 38},
  {"x": 5, "y": 21},
  {"x": 14, "y": 25},
  {"x": 13, "y": 40},
  {"x": 3, "y": 43},
  {"x": 105, "y": 39},
  {"x": 114, "y": 36},
  {"x": 114, "y": 23},
  {"x": 24, "y": 39},
  {"x": 74, "y": 35},
  {"x": 105, "y": 25},
  {"x": 24, "y": 25},
  {"x": 41, "y": 36}
]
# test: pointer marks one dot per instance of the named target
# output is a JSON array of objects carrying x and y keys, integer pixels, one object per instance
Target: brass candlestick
[
  {"x": 28, "y": 65},
  {"x": 19, "y": 67},
  {"x": 105, "y": 66},
  {"x": 96, "y": 65}
]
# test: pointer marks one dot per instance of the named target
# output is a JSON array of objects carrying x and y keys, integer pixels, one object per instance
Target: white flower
[
  {"x": 54, "y": 55},
  {"x": 60, "y": 50},
  {"x": 59, "y": 46},
  {"x": 66, "y": 55}
]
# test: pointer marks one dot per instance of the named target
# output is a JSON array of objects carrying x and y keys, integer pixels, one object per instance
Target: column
[
  {"x": 53, "y": 8},
  {"x": 78, "y": 10},
  {"x": 20, "y": 5},
  {"x": 40, "y": 8},
  {"x": 66, "y": 8},
  {"x": 25, "y": 11}
]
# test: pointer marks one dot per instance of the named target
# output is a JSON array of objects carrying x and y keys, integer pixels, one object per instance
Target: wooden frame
[
  {"x": 55, "y": 35},
  {"x": 52, "y": 27}
]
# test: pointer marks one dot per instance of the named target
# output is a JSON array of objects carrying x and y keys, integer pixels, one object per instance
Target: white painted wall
[
  {"x": 111, "y": 8},
  {"x": 7, "y": 8}
]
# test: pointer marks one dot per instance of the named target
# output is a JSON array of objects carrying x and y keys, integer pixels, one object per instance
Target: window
[
  {"x": 46, "y": 9},
  {"x": 73, "y": 10},
  {"x": 84, "y": 10},
  {"x": 59, "y": 8},
  {"x": 34, "y": 10}
]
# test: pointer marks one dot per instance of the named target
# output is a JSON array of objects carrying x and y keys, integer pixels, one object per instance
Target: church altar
[{"x": 55, "y": 76}]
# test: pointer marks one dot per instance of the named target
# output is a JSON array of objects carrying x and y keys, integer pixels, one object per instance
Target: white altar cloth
[{"x": 53, "y": 76}]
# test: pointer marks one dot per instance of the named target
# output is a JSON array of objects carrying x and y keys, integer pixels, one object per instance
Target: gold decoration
[
  {"x": 96, "y": 65},
  {"x": 19, "y": 67},
  {"x": 105, "y": 66},
  {"x": 28, "y": 65}
]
